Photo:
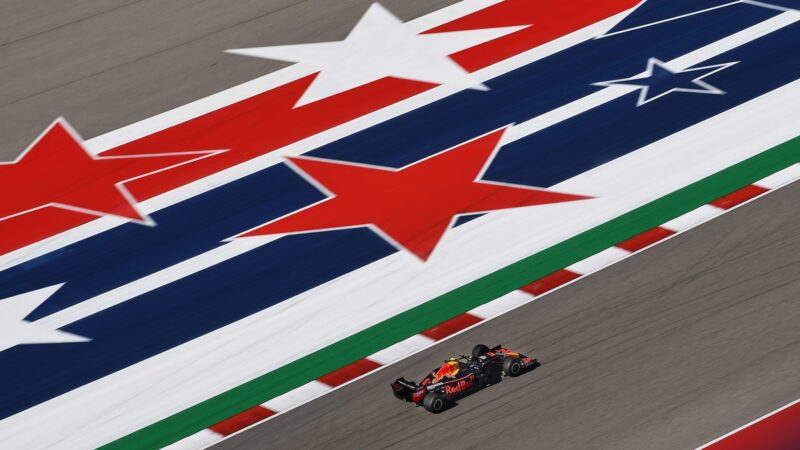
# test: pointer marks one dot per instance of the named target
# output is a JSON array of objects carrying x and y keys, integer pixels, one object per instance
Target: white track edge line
[{"x": 749, "y": 424}]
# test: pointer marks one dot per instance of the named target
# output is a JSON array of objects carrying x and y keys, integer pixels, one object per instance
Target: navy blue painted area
[
  {"x": 461, "y": 220},
  {"x": 653, "y": 11},
  {"x": 793, "y": 4},
  {"x": 217, "y": 296}
]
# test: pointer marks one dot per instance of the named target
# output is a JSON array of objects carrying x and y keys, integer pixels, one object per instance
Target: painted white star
[
  {"x": 380, "y": 46},
  {"x": 659, "y": 80},
  {"x": 15, "y": 330}
]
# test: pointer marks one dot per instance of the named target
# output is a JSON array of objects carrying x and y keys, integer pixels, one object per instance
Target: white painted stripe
[
  {"x": 228, "y": 175},
  {"x": 506, "y": 303},
  {"x": 749, "y": 424},
  {"x": 297, "y": 396},
  {"x": 778, "y": 179},
  {"x": 693, "y": 218},
  {"x": 769, "y": 5},
  {"x": 201, "y": 439},
  {"x": 598, "y": 261},
  {"x": 216, "y": 362},
  {"x": 401, "y": 349},
  {"x": 221, "y": 254}
]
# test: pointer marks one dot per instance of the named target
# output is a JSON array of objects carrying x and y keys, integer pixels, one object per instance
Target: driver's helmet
[{"x": 448, "y": 370}]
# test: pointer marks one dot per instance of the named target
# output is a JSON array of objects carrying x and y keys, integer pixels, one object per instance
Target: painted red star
[
  {"x": 57, "y": 171},
  {"x": 411, "y": 207}
]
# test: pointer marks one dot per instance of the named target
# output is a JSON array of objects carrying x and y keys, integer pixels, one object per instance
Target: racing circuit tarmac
[{"x": 668, "y": 349}]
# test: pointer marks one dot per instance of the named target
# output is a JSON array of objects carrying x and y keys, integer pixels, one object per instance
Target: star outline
[{"x": 644, "y": 89}]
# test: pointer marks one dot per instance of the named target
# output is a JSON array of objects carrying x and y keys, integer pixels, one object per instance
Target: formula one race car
[{"x": 463, "y": 375}]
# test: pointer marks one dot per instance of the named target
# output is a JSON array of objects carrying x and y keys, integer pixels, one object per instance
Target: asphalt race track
[
  {"x": 668, "y": 349},
  {"x": 104, "y": 64}
]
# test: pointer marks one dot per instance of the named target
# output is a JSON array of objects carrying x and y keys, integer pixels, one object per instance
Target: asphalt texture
[
  {"x": 104, "y": 64},
  {"x": 668, "y": 349}
]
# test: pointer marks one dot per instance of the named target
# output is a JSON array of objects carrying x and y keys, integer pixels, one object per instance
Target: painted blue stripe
[
  {"x": 653, "y": 11},
  {"x": 235, "y": 289}
]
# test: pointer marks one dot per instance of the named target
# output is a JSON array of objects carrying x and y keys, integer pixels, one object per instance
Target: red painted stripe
[
  {"x": 550, "y": 282},
  {"x": 738, "y": 197},
  {"x": 780, "y": 431},
  {"x": 242, "y": 420},
  {"x": 268, "y": 121},
  {"x": 451, "y": 326},
  {"x": 642, "y": 240},
  {"x": 349, "y": 372}
]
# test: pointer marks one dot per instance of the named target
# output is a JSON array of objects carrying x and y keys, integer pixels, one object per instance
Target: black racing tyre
[
  {"x": 479, "y": 350},
  {"x": 434, "y": 402},
  {"x": 512, "y": 367}
]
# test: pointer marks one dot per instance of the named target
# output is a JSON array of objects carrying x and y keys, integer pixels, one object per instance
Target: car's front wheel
[
  {"x": 512, "y": 367},
  {"x": 434, "y": 402}
]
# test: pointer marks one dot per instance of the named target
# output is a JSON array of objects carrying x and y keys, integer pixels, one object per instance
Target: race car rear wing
[{"x": 403, "y": 388}]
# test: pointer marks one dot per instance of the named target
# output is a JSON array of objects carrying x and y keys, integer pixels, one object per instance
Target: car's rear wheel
[
  {"x": 512, "y": 367},
  {"x": 434, "y": 402},
  {"x": 479, "y": 350}
]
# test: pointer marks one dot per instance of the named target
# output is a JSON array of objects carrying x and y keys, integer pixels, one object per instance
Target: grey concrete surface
[
  {"x": 103, "y": 64},
  {"x": 665, "y": 350}
]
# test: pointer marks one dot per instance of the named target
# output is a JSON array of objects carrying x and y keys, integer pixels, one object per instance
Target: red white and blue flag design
[{"x": 154, "y": 269}]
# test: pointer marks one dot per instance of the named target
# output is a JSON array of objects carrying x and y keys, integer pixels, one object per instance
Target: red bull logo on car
[{"x": 460, "y": 385}]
